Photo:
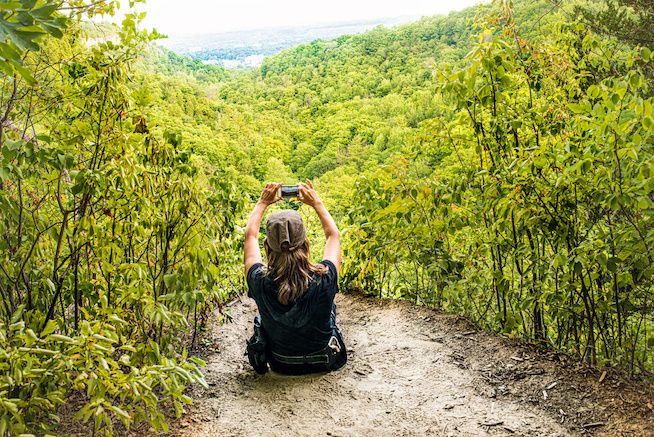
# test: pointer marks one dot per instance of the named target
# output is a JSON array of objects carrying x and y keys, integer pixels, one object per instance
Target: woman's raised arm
[
  {"x": 332, "y": 251},
  {"x": 251, "y": 250}
]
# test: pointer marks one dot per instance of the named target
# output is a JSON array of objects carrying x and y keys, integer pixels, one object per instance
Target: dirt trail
[{"x": 411, "y": 371}]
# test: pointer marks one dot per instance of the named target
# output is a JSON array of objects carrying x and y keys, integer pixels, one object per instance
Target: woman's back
[{"x": 302, "y": 327}]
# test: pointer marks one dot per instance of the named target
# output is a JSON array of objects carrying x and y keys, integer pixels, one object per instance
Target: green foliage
[
  {"x": 495, "y": 162},
  {"x": 22, "y": 24},
  {"x": 115, "y": 243},
  {"x": 167, "y": 63},
  {"x": 25, "y": 23},
  {"x": 549, "y": 218},
  {"x": 631, "y": 21},
  {"x": 397, "y": 240}
]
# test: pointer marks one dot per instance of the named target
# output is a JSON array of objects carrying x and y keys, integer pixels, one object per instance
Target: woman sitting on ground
[{"x": 296, "y": 331}]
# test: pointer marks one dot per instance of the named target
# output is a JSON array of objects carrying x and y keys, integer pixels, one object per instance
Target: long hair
[{"x": 291, "y": 271}]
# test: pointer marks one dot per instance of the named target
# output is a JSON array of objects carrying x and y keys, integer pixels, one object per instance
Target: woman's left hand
[{"x": 269, "y": 194}]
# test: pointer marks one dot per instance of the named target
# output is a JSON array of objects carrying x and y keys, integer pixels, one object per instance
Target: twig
[
  {"x": 592, "y": 425},
  {"x": 498, "y": 423}
]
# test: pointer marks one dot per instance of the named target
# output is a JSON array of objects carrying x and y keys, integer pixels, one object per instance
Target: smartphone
[{"x": 288, "y": 191}]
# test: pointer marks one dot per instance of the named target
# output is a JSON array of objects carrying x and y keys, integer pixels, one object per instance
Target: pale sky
[{"x": 179, "y": 17}]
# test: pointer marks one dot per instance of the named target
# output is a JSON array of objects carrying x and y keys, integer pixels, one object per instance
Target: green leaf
[
  {"x": 121, "y": 413},
  {"x": 635, "y": 81},
  {"x": 18, "y": 314},
  {"x": 644, "y": 203},
  {"x": 45, "y": 11},
  {"x": 593, "y": 91},
  {"x": 169, "y": 279},
  {"x": 8, "y": 52},
  {"x": 199, "y": 362},
  {"x": 49, "y": 328},
  {"x": 51, "y": 285},
  {"x": 612, "y": 264},
  {"x": 60, "y": 338},
  {"x": 25, "y": 74}
]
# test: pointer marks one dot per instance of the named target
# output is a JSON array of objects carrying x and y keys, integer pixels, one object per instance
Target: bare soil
[{"x": 412, "y": 371}]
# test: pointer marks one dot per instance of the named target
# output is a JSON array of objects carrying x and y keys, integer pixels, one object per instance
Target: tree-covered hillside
[
  {"x": 350, "y": 102},
  {"x": 493, "y": 162}
]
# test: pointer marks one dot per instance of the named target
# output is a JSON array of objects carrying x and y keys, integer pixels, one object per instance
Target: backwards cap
[{"x": 285, "y": 231}]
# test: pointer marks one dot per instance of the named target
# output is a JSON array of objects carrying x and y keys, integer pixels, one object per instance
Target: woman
[{"x": 295, "y": 297}]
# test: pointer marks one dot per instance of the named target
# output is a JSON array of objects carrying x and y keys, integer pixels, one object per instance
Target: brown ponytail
[{"x": 291, "y": 270}]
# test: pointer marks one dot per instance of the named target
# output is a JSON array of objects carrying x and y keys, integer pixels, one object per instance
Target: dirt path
[{"x": 411, "y": 371}]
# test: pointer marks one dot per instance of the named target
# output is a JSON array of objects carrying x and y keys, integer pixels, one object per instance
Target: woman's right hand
[
  {"x": 269, "y": 194},
  {"x": 308, "y": 194}
]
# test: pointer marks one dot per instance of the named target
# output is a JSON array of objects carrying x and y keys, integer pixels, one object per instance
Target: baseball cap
[{"x": 285, "y": 230}]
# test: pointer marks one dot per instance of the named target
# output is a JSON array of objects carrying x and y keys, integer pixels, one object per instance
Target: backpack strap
[
  {"x": 324, "y": 356},
  {"x": 256, "y": 348}
]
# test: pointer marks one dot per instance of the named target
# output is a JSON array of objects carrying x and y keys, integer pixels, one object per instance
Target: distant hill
[{"x": 247, "y": 48}]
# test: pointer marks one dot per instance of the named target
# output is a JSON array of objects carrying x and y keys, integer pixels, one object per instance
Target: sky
[{"x": 175, "y": 17}]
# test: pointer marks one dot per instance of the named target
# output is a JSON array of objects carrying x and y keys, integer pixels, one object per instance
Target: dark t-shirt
[{"x": 302, "y": 327}]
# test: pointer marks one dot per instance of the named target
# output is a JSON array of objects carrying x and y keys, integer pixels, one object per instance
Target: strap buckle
[{"x": 334, "y": 344}]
